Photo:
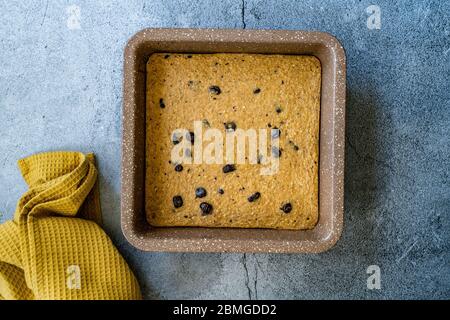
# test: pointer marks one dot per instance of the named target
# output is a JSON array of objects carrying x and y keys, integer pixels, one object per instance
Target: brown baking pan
[{"x": 331, "y": 151}]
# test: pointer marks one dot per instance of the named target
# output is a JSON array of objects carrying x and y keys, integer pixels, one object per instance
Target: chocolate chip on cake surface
[
  {"x": 276, "y": 152},
  {"x": 190, "y": 136},
  {"x": 177, "y": 201},
  {"x": 162, "y": 105},
  {"x": 189, "y": 56},
  {"x": 228, "y": 168},
  {"x": 260, "y": 159},
  {"x": 166, "y": 56},
  {"x": 296, "y": 148},
  {"x": 230, "y": 126},
  {"x": 254, "y": 197},
  {"x": 206, "y": 123},
  {"x": 278, "y": 109},
  {"x": 176, "y": 139},
  {"x": 286, "y": 208},
  {"x": 256, "y": 90},
  {"x": 206, "y": 208},
  {"x": 275, "y": 133},
  {"x": 221, "y": 191},
  {"x": 200, "y": 192},
  {"x": 214, "y": 90},
  {"x": 178, "y": 168}
]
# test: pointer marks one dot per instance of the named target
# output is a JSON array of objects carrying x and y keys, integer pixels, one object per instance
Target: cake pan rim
[{"x": 138, "y": 237}]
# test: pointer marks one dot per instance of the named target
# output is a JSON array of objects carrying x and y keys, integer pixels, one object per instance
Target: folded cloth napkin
[{"x": 54, "y": 248}]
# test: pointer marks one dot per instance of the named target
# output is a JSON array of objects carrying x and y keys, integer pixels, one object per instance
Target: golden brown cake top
[{"x": 217, "y": 98}]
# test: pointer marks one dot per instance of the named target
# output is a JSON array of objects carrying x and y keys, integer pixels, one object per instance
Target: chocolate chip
[
  {"x": 176, "y": 139},
  {"x": 228, "y": 168},
  {"x": 230, "y": 126},
  {"x": 296, "y": 148},
  {"x": 178, "y": 168},
  {"x": 162, "y": 105},
  {"x": 286, "y": 208},
  {"x": 259, "y": 159},
  {"x": 214, "y": 90},
  {"x": 278, "y": 109},
  {"x": 200, "y": 192},
  {"x": 189, "y": 56},
  {"x": 206, "y": 208},
  {"x": 256, "y": 90},
  {"x": 276, "y": 152},
  {"x": 190, "y": 136},
  {"x": 166, "y": 56},
  {"x": 254, "y": 197},
  {"x": 177, "y": 201},
  {"x": 220, "y": 191},
  {"x": 275, "y": 133},
  {"x": 206, "y": 123}
]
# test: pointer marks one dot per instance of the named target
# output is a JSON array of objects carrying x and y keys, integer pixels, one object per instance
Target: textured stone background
[{"x": 60, "y": 88}]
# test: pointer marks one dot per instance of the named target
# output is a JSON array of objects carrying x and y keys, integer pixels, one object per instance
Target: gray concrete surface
[{"x": 60, "y": 88}]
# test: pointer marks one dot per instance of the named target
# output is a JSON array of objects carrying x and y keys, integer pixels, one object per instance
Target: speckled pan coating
[{"x": 331, "y": 149}]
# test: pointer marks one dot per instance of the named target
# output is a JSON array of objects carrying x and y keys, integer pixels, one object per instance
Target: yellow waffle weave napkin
[{"x": 54, "y": 248}]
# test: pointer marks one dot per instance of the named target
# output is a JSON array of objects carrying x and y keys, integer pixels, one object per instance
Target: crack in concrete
[
  {"x": 244, "y": 25},
  {"x": 255, "y": 282},
  {"x": 45, "y": 13},
  {"x": 407, "y": 252},
  {"x": 353, "y": 148},
  {"x": 247, "y": 278},
  {"x": 366, "y": 157}
]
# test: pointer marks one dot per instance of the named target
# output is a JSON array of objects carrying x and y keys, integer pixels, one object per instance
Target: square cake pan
[{"x": 331, "y": 150}]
